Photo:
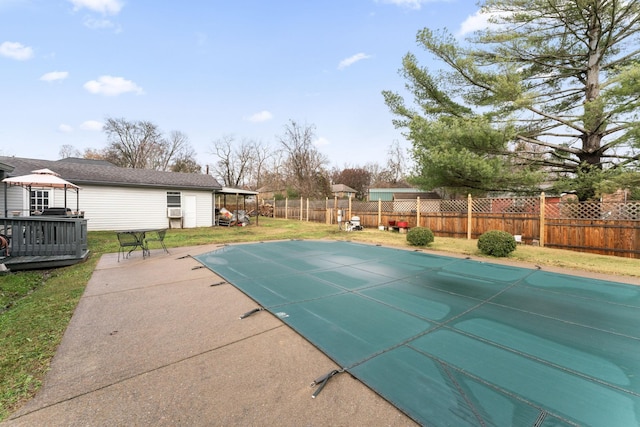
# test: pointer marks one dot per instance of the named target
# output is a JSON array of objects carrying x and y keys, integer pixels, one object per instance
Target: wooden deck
[
  {"x": 43, "y": 242},
  {"x": 41, "y": 262}
]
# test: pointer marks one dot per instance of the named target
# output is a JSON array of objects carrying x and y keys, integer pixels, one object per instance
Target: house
[
  {"x": 270, "y": 192},
  {"x": 111, "y": 197},
  {"x": 342, "y": 191}
]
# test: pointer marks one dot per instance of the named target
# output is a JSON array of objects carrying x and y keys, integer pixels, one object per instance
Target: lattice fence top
[
  {"x": 554, "y": 208},
  {"x": 507, "y": 205},
  {"x": 628, "y": 211}
]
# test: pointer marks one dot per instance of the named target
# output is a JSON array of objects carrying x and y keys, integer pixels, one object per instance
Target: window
[
  {"x": 174, "y": 199},
  {"x": 39, "y": 200}
]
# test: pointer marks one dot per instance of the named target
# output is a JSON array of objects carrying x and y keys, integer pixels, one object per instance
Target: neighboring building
[
  {"x": 270, "y": 193},
  {"x": 114, "y": 198},
  {"x": 394, "y": 194},
  {"x": 342, "y": 191}
]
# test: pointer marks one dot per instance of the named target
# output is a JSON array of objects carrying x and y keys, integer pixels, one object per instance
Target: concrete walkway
[{"x": 152, "y": 342}]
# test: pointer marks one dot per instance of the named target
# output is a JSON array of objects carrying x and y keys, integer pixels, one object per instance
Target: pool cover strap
[
  {"x": 322, "y": 381},
  {"x": 249, "y": 313}
]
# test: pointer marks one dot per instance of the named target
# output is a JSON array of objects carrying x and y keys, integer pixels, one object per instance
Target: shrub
[
  {"x": 497, "y": 243},
  {"x": 420, "y": 236}
]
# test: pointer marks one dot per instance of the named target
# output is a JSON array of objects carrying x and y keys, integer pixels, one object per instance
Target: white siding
[
  {"x": 119, "y": 208},
  {"x": 17, "y": 200},
  {"x": 56, "y": 198}
]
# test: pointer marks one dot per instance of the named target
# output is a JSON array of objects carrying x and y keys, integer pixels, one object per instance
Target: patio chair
[
  {"x": 127, "y": 241},
  {"x": 159, "y": 238}
]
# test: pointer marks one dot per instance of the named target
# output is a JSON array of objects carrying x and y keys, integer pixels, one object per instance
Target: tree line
[{"x": 294, "y": 167}]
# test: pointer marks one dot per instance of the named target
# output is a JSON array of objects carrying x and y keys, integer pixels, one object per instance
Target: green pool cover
[{"x": 455, "y": 342}]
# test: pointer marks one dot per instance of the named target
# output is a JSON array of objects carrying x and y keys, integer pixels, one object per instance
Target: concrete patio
[{"x": 152, "y": 342}]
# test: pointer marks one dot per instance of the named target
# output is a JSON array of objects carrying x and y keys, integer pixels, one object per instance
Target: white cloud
[
  {"x": 100, "y": 24},
  {"x": 91, "y": 125},
  {"x": 477, "y": 21},
  {"x": 352, "y": 60},
  {"x": 112, "y": 86},
  {"x": 411, "y": 4},
  {"x": 321, "y": 142},
  {"x": 15, "y": 50},
  {"x": 260, "y": 117},
  {"x": 54, "y": 75},
  {"x": 106, "y": 7},
  {"x": 64, "y": 128}
]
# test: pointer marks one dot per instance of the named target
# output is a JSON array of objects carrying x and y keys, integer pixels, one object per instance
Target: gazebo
[{"x": 42, "y": 178}]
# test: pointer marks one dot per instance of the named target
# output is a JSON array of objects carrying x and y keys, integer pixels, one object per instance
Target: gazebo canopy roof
[{"x": 40, "y": 178}]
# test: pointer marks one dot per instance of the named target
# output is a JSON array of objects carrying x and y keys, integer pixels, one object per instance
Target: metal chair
[
  {"x": 127, "y": 241},
  {"x": 159, "y": 238}
]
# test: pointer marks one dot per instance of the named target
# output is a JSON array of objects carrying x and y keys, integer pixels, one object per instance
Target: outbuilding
[{"x": 114, "y": 198}]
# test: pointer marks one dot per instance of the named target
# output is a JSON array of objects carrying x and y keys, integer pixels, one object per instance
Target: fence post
[
  {"x": 307, "y": 209},
  {"x": 327, "y": 214},
  {"x": 469, "y": 211},
  {"x": 286, "y": 208},
  {"x": 349, "y": 217},
  {"x": 418, "y": 211},
  {"x": 335, "y": 209},
  {"x": 379, "y": 212},
  {"x": 542, "y": 219},
  {"x": 301, "y": 207}
]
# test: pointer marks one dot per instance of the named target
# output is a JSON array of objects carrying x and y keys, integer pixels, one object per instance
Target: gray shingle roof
[
  {"x": 94, "y": 172},
  {"x": 337, "y": 188}
]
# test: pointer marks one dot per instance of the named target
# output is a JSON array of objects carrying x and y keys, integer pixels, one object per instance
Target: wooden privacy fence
[{"x": 608, "y": 228}]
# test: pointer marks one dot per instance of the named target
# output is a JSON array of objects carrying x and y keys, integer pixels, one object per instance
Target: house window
[
  {"x": 39, "y": 200},
  {"x": 174, "y": 199}
]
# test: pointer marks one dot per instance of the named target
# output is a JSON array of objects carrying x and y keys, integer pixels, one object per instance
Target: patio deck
[{"x": 43, "y": 242}]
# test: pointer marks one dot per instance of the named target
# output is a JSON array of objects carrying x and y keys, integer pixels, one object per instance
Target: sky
[{"x": 212, "y": 69}]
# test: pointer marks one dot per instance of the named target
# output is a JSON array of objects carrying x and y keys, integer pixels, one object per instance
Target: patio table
[{"x": 138, "y": 239}]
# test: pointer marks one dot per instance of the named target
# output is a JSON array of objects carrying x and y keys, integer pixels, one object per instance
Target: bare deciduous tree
[
  {"x": 67, "y": 151},
  {"x": 131, "y": 144},
  {"x": 262, "y": 153},
  {"x": 142, "y": 145},
  {"x": 305, "y": 164},
  {"x": 396, "y": 162},
  {"x": 234, "y": 162}
]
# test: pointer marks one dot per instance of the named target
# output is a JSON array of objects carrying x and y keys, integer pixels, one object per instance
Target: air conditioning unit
[{"x": 174, "y": 212}]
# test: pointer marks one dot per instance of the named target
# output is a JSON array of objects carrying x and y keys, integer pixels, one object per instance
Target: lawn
[{"x": 36, "y": 306}]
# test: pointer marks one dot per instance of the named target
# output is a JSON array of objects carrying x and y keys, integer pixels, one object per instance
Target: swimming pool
[{"x": 453, "y": 341}]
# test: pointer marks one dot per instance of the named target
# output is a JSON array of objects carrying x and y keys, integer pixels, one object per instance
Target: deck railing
[{"x": 45, "y": 236}]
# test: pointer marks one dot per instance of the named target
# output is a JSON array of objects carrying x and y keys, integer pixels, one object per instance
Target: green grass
[
  {"x": 33, "y": 325},
  {"x": 36, "y": 306}
]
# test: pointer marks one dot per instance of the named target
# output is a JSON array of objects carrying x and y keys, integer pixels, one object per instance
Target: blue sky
[{"x": 211, "y": 69}]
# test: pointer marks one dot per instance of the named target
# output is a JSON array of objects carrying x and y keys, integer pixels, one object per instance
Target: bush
[
  {"x": 420, "y": 236},
  {"x": 497, "y": 243}
]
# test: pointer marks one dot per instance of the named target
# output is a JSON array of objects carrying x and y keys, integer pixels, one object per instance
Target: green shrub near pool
[
  {"x": 420, "y": 236},
  {"x": 497, "y": 243}
]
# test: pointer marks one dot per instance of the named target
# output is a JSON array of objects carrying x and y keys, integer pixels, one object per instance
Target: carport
[{"x": 239, "y": 194}]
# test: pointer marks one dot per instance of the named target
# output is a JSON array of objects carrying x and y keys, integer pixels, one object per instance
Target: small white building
[{"x": 111, "y": 197}]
